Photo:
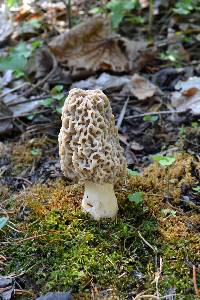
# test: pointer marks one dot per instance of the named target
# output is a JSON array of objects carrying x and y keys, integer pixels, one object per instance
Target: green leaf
[
  {"x": 96, "y": 10},
  {"x": 18, "y": 73},
  {"x": 11, "y": 3},
  {"x": 164, "y": 161},
  {"x": 195, "y": 125},
  {"x": 150, "y": 118},
  {"x": 47, "y": 102},
  {"x": 167, "y": 211},
  {"x": 58, "y": 110},
  {"x": 133, "y": 173},
  {"x": 36, "y": 152},
  {"x": 57, "y": 89},
  {"x": 36, "y": 44},
  {"x": 136, "y": 197},
  {"x": 58, "y": 96},
  {"x": 118, "y": 10},
  {"x": 3, "y": 221},
  {"x": 17, "y": 58},
  {"x": 196, "y": 189}
]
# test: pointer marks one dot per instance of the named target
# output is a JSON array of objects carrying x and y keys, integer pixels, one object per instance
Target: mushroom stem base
[{"x": 99, "y": 200}]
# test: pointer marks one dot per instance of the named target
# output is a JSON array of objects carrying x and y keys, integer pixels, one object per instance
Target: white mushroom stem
[{"x": 99, "y": 200}]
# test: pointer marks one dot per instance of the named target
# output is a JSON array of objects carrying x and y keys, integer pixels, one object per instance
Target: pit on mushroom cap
[{"x": 90, "y": 151}]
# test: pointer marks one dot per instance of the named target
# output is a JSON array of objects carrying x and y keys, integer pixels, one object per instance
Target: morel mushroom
[{"x": 90, "y": 151}]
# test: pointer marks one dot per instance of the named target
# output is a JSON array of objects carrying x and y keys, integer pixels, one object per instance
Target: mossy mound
[{"x": 150, "y": 246}]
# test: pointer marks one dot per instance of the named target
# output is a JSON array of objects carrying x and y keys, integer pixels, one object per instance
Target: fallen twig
[
  {"x": 24, "y": 115},
  {"x": 195, "y": 280},
  {"x": 147, "y": 243},
  {"x": 163, "y": 112},
  {"x": 122, "y": 113},
  {"x": 14, "y": 89}
]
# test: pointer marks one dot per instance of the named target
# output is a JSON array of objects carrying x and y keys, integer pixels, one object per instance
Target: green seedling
[
  {"x": 133, "y": 172},
  {"x": 164, "y": 161},
  {"x": 36, "y": 152},
  {"x": 3, "y": 221},
  {"x": 136, "y": 197},
  {"x": 168, "y": 212},
  {"x": 196, "y": 189},
  {"x": 150, "y": 118}
]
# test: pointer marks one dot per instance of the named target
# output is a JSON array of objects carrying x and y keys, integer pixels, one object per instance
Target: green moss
[{"x": 62, "y": 248}]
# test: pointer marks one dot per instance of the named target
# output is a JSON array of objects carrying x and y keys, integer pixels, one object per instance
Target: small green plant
[
  {"x": 136, "y": 197},
  {"x": 196, "y": 189},
  {"x": 164, "y": 161},
  {"x": 56, "y": 99},
  {"x": 168, "y": 212},
  {"x": 133, "y": 173},
  {"x": 173, "y": 57},
  {"x": 3, "y": 221},
  {"x": 30, "y": 25},
  {"x": 36, "y": 151},
  {"x": 195, "y": 124},
  {"x": 150, "y": 118},
  {"x": 185, "y": 7},
  {"x": 118, "y": 9},
  {"x": 11, "y": 3},
  {"x": 17, "y": 58},
  {"x": 181, "y": 131}
]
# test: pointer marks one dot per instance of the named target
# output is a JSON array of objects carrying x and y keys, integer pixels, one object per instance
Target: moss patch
[{"x": 60, "y": 248}]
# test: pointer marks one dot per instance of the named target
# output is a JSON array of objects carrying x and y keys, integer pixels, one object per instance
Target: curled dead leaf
[
  {"x": 136, "y": 146},
  {"x": 140, "y": 87},
  {"x": 188, "y": 96},
  {"x": 90, "y": 46}
]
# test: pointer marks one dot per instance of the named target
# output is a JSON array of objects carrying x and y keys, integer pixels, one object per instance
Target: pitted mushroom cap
[{"x": 88, "y": 141}]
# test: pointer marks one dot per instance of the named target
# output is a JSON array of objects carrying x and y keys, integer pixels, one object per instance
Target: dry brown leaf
[
  {"x": 188, "y": 98},
  {"x": 136, "y": 146},
  {"x": 6, "y": 28},
  {"x": 3, "y": 150},
  {"x": 190, "y": 92},
  {"x": 90, "y": 46},
  {"x": 140, "y": 87}
]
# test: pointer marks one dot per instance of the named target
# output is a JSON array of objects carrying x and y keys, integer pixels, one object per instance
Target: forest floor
[{"x": 151, "y": 74}]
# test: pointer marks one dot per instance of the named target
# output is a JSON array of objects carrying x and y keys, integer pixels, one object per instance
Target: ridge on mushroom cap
[{"x": 88, "y": 140}]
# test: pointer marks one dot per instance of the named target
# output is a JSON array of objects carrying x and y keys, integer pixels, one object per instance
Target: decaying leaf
[
  {"x": 6, "y": 28},
  {"x": 140, "y": 87},
  {"x": 6, "y": 78},
  {"x": 6, "y": 288},
  {"x": 105, "y": 82},
  {"x": 56, "y": 296},
  {"x": 12, "y": 101},
  {"x": 3, "y": 150},
  {"x": 42, "y": 63},
  {"x": 136, "y": 146},
  {"x": 90, "y": 46},
  {"x": 188, "y": 96}
]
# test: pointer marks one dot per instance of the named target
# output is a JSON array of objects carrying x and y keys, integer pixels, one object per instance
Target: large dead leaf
[
  {"x": 188, "y": 96},
  {"x": 90, "y": 46}
]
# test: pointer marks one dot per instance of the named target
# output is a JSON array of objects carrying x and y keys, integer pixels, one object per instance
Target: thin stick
[
  {"x": 163, "y": 112},
  {"x": 23, "y": 115},
  {"x": 14, "y": 89},
  {"x": 195, "y": 280},
  {"x": 122, "y": 114},
  {"x": 146, "y": 296},
  {"x": 69, "y": 14},
  {"x": 147, "y": 243}
]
